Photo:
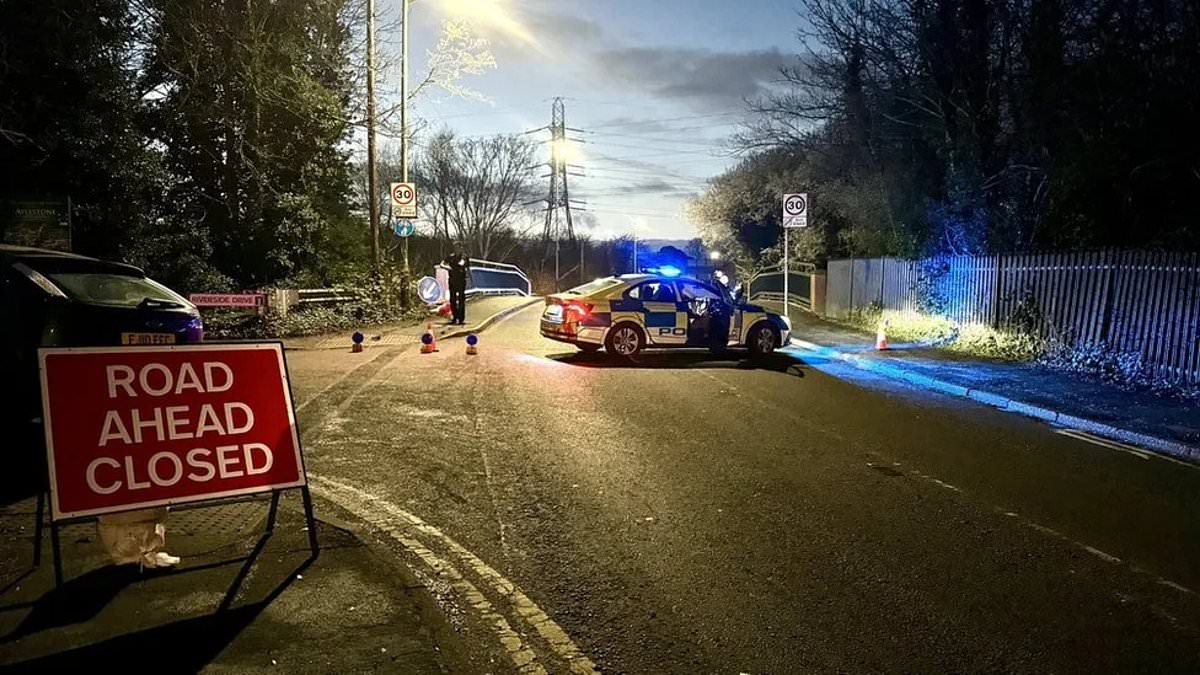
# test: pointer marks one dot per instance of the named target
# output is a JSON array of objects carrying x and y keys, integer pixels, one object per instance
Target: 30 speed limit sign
[
  {"x": 795, "y": 210},
  {"x": 404, "y": 200}
]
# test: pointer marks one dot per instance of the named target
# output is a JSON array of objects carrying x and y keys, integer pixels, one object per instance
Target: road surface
[{"x": 688, "y": 514}]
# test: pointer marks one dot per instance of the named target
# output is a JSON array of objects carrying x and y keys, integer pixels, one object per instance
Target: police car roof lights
[{"x": 664, "y": 270}]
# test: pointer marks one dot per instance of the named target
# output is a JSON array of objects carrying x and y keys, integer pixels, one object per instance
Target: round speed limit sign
[
  {"x": 404, "y": 200},
  {"x": 402, "y": 193},
  {"x": 795, "y": 209},
  {"x": 795, "y": 205}
]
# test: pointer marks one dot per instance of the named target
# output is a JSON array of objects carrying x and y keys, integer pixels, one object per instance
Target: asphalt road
[{"x": 687, "y": 514}]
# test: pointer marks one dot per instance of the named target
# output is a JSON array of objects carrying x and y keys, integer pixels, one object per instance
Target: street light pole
[{"x": 372, "y": 176}]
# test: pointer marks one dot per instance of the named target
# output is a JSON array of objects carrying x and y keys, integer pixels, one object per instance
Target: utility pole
[
  {"x": 404, "y": 140},
  {"x": 372, "y": 175}
]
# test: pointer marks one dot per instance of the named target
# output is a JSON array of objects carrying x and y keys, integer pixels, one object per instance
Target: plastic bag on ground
[{"x": 136, "y": 537}]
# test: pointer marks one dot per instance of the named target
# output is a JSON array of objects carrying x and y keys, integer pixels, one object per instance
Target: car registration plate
[{"x": 147, "y": 338}]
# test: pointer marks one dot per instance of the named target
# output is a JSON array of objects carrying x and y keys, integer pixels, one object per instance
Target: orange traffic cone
[
  {"x": 881, "y": 336},
  {"x": 472, "y": 345},
  {"x": 428, "y": 341}
]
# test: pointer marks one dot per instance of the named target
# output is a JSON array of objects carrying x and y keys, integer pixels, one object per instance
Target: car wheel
[
  {"x": 762, "y": 340},
  {"x": 587, "y": 347},
  {"x": 624, "y": 340}
]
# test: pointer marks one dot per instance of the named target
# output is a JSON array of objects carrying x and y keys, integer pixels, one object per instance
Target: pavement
[
  {"x": 686, "y": 513},
  {"x": 479, "y": 311},
  {"x": 241, "y": 601},
  {"x": 1152, "y": 420}
]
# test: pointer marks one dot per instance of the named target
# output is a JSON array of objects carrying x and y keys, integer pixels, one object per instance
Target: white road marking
[
  {"x": 1122, "y": 447},
  {"x": 1105, "y": 443},
  {"x": 384, "y": 514},
  {"x": 1101, "y": 554},
  {"x": 1055, "y": 534},
  {"x": 1171, "y": 584}
]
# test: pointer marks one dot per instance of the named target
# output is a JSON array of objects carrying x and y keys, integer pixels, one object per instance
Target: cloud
[
  {"x": 698, "y": 76},
  {"x": 645, "y": 186}
]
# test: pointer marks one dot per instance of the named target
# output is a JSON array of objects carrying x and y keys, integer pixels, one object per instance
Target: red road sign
[
  {"x": 135, "y": 427},
  {"x": 228, "y": 299}
]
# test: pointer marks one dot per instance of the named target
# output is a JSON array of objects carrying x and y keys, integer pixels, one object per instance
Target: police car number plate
[{"x": 147, "y": 338}]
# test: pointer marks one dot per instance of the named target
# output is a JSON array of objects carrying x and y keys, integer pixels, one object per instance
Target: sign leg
[
  {"x": 312, "y": 521},
  {"x": 38, "y": 529},
  {"x": 273, "y": 512},
  {"x": 57, "y": 549}
]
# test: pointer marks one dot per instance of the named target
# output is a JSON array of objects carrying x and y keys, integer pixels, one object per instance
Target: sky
[{"x": 656, "y": 86}]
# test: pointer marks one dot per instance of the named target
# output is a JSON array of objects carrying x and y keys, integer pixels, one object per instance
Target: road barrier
[
  {"x": 324, "y": 296},
  {"x": 806, "y": 286},
  {"x": 497, "y": 278}
]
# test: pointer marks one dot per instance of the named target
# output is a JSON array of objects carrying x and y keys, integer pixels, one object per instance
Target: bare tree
[
  {"x": 459, "y": 54},
  {"x": 474, "y": 190}
]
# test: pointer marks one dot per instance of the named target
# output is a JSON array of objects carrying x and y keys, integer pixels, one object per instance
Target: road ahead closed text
[{"x": 138, "y": 427}]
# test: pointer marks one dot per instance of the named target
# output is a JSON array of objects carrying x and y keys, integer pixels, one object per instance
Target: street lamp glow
[
  {"x": 564, "y": 151},
  {"x": 490, "y": 13}
]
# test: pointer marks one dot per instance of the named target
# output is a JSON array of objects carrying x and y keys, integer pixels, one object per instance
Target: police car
[{"x": 659, "y": 308}]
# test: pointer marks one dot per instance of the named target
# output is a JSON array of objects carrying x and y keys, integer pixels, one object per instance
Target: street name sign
[
  {"x": 250, "y": 300},
  {"x": 404, "y": 200},
  {"x": 139, "y": 427},
  {"x": 795, "y": 210}
]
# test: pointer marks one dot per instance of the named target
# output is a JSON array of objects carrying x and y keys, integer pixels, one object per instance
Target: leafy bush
[
  {"x": 377, "y": 302},
  {"x": 906, "y": 326},
  {"x": 939, "y": 331},
  {"x": 982, "y": 340}
]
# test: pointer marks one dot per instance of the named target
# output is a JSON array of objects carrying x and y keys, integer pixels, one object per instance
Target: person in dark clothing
[
  {"x": 718, "y": 327},
  {"x": 460, "y": 269}
]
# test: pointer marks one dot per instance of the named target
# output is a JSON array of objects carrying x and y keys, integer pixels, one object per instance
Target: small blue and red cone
[
  {"x": 428, "y": 341},
  {"x": 472, "y": 341},
  {"x": 357, "y": 338}
]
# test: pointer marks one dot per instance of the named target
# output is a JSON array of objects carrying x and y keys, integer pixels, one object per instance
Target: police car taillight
[{"x": 581, "y": 310}]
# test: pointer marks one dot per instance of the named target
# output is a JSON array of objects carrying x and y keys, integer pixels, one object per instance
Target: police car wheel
[
  {"x": 624, "y": 340},
  {"x": 762, "y": 340}
]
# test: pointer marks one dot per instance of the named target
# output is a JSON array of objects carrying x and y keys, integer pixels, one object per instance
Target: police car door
[
  {"x": 665, "y": 324},
  {"x": 702, "y": 305}
]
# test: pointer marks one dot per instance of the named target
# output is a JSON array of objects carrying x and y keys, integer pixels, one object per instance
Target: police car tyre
[
  {"x": 762, "y": 339},
  {"x": 625, "y": 339}
]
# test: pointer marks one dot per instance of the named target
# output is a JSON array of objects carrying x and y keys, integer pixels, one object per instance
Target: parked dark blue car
[{"x": 56, "y": 299}]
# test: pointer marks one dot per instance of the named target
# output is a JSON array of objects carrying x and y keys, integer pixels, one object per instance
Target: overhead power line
[{"x": 659, "y": 120}]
